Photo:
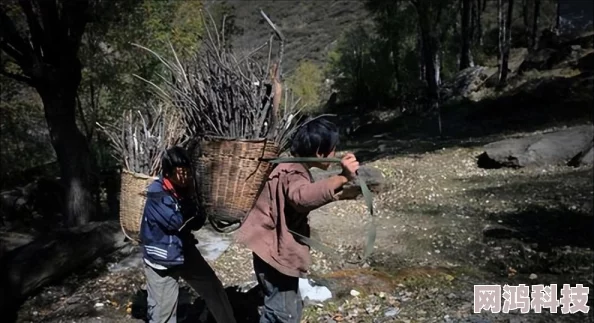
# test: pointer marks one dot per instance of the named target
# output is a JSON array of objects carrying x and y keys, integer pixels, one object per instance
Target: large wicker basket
[
  {"x": 230, "y": 175},
  {"x": 132, "y": 199}
]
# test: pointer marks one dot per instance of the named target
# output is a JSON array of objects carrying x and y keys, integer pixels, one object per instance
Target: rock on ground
[{"x": 555, "y": 148}]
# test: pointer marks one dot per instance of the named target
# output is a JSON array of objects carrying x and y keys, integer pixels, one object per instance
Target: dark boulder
[{"x": 555, "y": 148}]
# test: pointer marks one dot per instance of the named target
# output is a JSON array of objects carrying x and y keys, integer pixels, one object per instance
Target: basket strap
[
  {"x": 315, "y": 244},
  {"x": 134, "y": 240},
  {"x": 221, "y": 227},
  {"x": 371, "y": 226}
]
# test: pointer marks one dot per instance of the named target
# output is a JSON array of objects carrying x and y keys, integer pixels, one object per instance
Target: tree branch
[
  {"x": 276, "y": 75},
  {"x": 12, "y": 42},
  {"x": 12, "y": 52},
  {"x": 50, "y": 19},
  {"x": 281, "y": 38},
  {"x": 82, "y": 118},
  {"x": 18, "y": 77},
  {"x": 37, "y": 34},
  {"x": 49, "y": 15},
  {"x": 74, "y": 18}
]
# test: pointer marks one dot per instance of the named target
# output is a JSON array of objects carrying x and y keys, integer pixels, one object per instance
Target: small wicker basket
[
  {"x": 230, "y": 175},
  {"x": 132, "y": 199}
]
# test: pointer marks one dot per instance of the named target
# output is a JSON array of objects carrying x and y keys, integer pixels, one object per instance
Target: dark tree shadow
[
  {"x": 548, "y": 227},
  {"x": 245, "y": 306},
  {"x": 543, "y": 225},
  {"x": 551, "y": 210},
  {"x": 534, "y": 105}
]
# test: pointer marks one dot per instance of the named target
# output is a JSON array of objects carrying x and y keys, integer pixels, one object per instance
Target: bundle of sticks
[
  {"x": 218, "y": 94},
  {"x": 141, "y": 137}
]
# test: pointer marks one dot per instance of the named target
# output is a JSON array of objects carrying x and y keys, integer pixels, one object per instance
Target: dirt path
[
  {"x": 444, "y": 225},
  {"x": 530, "y": 226}
]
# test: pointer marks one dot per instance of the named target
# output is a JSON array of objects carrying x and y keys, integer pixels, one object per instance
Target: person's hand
[{"x": 349, "y": 165}]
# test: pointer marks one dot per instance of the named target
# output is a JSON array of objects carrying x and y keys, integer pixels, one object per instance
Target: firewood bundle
[
  {"x": 141, "y": 137},
  {"x": 221, "y": 95}
]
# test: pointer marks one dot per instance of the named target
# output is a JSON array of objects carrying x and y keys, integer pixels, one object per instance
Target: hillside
[{"x": 310, "y": 27}]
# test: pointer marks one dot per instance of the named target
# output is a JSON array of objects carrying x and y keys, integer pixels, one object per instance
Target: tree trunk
[
  {"x": 558, "y": 18},
  {"x": 435, "y": 104},
  {"x": 500, "y": 34},
  {"x": 27, "y": 268},
  {"x": 430, "y": 58},
  {"x": 473, "y": 11},
  {"x": 432, "y": 62},
  {"x": 394, "y": 49},
  {"x": 429, "y": 52},
  {"x": 48, "y": 57},
  {"x": 535, "y": 18},
  {"x": 508, "y": 28},
  {"x": 465, "y": 60},
  {"x": 479, "y": 23},
  {"x": 504, "y": 39},
  {"x": 420, "y": 53},
  {"x": 58, "y": 94},
  {"x": 437, "y": 62},
  {"x": 525, "y": 15}
]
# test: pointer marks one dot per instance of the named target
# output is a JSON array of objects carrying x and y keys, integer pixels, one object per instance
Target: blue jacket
[{"x": 164, "y": 231}]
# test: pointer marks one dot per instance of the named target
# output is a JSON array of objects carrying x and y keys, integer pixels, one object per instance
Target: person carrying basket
[
  {"x": 283, "y": 206},
  {"x": 169, "y": 250}
]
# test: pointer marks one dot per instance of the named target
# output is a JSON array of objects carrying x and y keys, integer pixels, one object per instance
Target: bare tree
[
  {"x": 420, "y": 55},
  {"x": 429, "y": 43},
  {"x": 465, "y": 55},
  {"x": 558, "y": 17},
  {"x": 526, "y": 14},
  {"x": 535, "y": 18},
  {"x": 429, "y": 40},
  {"x": 478, "y": 24},
  {"x": 47, "y": 56},
  {"x": 504, "y": 38},
  {"x": 430, "y": 16}
]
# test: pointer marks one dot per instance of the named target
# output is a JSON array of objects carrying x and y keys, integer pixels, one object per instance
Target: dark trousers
[
  {"x": 163, "y": 289},
  {"x": 282, "y": 300}
]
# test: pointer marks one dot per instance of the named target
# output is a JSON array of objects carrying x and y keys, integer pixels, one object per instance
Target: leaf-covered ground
[{"x": 444, "y": 225}]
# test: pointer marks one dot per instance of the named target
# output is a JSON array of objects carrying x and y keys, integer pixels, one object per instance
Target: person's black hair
[
  {"x": 172, "y": 158},
  {"x": 316, "y": 136}
]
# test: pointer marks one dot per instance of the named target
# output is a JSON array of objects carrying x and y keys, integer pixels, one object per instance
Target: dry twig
[
  {"x": 220, "y": 95},
  {"x": 139, "y": 140}
]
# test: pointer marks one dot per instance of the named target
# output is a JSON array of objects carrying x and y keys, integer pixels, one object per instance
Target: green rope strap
[{"x": 371, "y": 227}]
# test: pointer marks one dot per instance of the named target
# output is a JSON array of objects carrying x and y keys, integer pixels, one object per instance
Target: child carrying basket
[
  {"x": 138, "y": 142},
  {"x": 274, "y": 228},
  {"x": 159, "y": 209}
]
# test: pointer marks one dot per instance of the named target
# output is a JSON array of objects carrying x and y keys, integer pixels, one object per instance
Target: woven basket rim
[
  {"x": 257, "y": 140},
  {"x": 139, "y": 175}
]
